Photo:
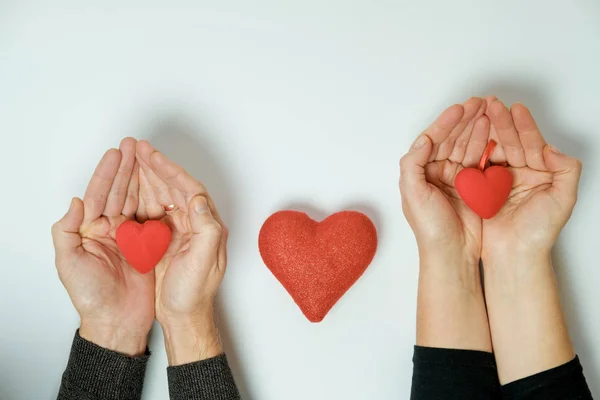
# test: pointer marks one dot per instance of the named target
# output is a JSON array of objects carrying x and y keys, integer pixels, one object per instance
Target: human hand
[
  {"x": 189, "y": 274},
  {"x": 448, "y": 233},
  {"x": 521, "y": 288},
  {"x": 544, "y": 190},
  {"x": 114, "y": 301},
  {"x": 438, "y": 217}
]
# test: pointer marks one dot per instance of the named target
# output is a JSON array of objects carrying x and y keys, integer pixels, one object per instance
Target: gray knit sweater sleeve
[
  {"x": 209, "y": 379},
  {"x": 95, "y": 373}
]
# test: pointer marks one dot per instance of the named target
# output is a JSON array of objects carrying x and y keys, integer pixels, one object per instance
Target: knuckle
[
  {"x": 55, "y": 228},
  {"x": 213, "y": 227},
  {"x": 404, "y": 162}
]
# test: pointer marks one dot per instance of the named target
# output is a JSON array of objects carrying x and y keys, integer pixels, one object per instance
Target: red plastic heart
[
  {"x": 484, "y": 192},
  {"x": 143, "y": 245},
  {"x": 317, "y": 262}
]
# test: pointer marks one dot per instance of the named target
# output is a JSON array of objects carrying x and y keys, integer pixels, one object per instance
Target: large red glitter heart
[
  {"x": 143, "y": 246},
  {"x": 317, "y": 262},
  {"x": 484, "y": 192}
]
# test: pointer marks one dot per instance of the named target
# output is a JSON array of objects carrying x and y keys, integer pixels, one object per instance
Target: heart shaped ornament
[
  {"x": 143, "y": 245},
  {"x": 484, "y": 190},
  {"x": 317, "y": 262}
]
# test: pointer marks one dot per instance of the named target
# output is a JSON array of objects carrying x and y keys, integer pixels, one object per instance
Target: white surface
[{"x": 276, "y": 104}]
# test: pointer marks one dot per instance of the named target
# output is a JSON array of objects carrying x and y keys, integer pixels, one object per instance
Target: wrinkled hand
[
  {"x": 188, "y": 276},
  {"x": 114, "y": 301},
  {"x": 544, "y": 186},
  {"x": 442, "y": 223}
]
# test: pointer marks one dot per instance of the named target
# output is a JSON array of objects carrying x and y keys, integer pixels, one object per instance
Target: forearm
[
  {"x": 185, "y": 344},
  {"x": 451, "y": 309},
  {"x": 198, "y": 369},
  {"x": 527, "y": 323}
]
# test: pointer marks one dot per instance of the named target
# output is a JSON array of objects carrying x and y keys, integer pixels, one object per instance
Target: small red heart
[
  {"x": 143, "y": 245},
  {"x": 317, "y": 262},
  {"x": 484, "y": 192}
]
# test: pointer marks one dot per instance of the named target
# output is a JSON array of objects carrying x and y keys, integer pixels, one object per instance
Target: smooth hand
[
  {"x": 442, "y": 223},
  {"x": 448, "y": 233},
  {"x": 528, "y": 327},
  {"x": 544, "y": 186},
  {"x": 188, "y": 276},
  {"x": 114, "y": 301}
]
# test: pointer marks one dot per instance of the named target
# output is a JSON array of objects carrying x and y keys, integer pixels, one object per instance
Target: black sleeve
[
  {"x": 95, "y": 373},
  {"x": 449, "y": 374},
  {"x": 209, "y": 379},
  {"x": 565, "y": 382}
]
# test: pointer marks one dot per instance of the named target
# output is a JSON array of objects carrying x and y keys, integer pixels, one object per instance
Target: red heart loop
[
  {"x": 317, "y": 262},
  {"x": 143, "y": 245}
]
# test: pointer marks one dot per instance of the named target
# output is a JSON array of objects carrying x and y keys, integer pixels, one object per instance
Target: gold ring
[{"x": 170, "y": 207}]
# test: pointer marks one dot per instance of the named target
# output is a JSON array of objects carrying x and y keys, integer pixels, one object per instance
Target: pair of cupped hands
[
  {"x": 116, "y": 303},
  {"x": 544, "y": 192}
]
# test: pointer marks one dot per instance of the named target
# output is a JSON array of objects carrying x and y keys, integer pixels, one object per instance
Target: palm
[
  {"x": 452, "y": 216},
  {"x": 529, "y": 207},
  {"x": 458, "y": 137},
  {"x": 543, "y": 194},
  {"x": 195, "y": 260},
  {"x": 109, "y": 282},
  {"x": 104, "y": 288},
  {"x": 168, "y": 271}
]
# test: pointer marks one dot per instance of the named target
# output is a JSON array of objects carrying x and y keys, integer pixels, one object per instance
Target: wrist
[
  {"x": 189, "y": 340},
  {"x": 513, "y": 268},
  {"x": 130, "y": 342},
  {"x": 451, "y": 309},
  {"x": 451, "y": 270}
]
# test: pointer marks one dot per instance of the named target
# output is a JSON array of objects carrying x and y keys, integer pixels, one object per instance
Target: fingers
[
  {"x": 132, "y": 201},
  {"x": 65, "y": 232},
  {"x": 508, "y": 137},
  {"x": 472, "y": 109},
  {"x": 96, "y": 194},
  {"x": 152, "y": 207},
  {"x": 531, "y": 138},
  {"x": 412, "y": 168},
  {"x": 567, "y": 172},
  {"x": 462, "y": 142},
  {"x": 161, "y": 189},
  {"x": 119, "y": 189},
  {"x": 477, "y": 143},
  {"x": 443, "y": 126},
  {"x": 206, "y": 230},
  {"x": 141, "y": 214},
  {"x": 175, "y": 176}
]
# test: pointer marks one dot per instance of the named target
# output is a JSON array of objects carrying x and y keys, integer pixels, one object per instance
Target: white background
[{"x": 277, "y": 104}]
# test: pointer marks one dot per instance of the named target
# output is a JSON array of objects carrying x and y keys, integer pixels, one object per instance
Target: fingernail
[
  {"x": 553, "y": 149},
  {"x": 72, "y": 204},
  {"x": 420, "y": 142},
  {"x": 200, "y": 205}
]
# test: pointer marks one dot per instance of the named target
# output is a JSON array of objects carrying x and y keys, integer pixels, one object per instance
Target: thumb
[
  {"x": 412, "y": 167},
  {"x": 567, "y": 171},
  {"x": 65, "y": 232},
  {"x": 206, "y": 231}
]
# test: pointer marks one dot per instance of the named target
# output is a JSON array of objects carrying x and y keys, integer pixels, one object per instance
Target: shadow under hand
[
  {"x": 564, "y": 138},
  {"x": 181, "y": 140}
]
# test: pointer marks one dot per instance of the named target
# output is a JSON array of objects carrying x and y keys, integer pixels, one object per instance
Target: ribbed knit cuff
[
  {"x": 454, "y": 374},
  {"x": 106, "y": 374},
  {"x": 565, "y": 382},
  {"x": 454, "y": 357},
  {"x": 209, "y": 379}
]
